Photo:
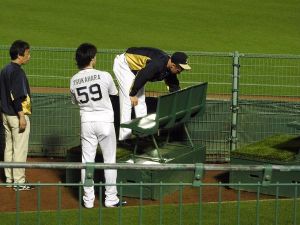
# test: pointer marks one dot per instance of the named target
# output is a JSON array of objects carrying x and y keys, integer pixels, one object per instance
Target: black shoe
[{"x": 123, "y": 203}]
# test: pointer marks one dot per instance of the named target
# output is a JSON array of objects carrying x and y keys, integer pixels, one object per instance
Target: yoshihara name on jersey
[{"x": 86, "y": 79}]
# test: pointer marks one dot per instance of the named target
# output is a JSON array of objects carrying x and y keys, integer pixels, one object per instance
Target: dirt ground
[{"x": 69, "y": 196}]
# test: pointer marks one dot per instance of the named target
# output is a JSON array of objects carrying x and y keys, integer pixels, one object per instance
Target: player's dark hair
[
  {"x": 84, "y": 54},
  {"x": 18, "y": 48}
]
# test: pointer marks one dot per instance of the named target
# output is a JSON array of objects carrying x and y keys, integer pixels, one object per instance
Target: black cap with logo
[{"x": 180, "y": 59}]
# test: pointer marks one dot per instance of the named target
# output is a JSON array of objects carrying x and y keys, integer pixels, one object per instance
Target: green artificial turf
[
  {"x": 282, "y": 147},
  {"x": 270, "y": 26}
]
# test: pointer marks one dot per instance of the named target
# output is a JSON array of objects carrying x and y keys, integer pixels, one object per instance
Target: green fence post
[
  {"x": 100, "y": 204},
  {"x": 89, "y": 174},
  {"x": 219, "y": 202},
  {"x": 18, "y": 206},
  {"x": 295, "y": 203},
  {"x": 267, "y": 175},
  {"x": 239, "y": 203},
  {"x": 121, "y": 200},
  {"x": 161, "y": 203},
  {"x": 199, "y": 172},
  {"x": 180, "y": 203},
  {"x": 59, "y": 220},
  {"x": 39, "y": 203},
  {"x": 80, "y": 205},
  {"x": 257, "y": 203},
  {"x": 234, "y": 101},
  {"x": 141, "y": 204},
  {"x": 200, "y": 206},
  {"x": 277, "y": 204}
]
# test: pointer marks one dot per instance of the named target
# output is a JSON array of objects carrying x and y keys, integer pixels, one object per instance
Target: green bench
[{"x": 172, "y": 109}]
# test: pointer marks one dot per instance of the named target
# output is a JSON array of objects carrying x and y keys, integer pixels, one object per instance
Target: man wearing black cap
[{"x": 137, "y": 66}]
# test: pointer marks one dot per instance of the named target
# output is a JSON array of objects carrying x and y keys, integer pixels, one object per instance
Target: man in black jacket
[
  {"x": 15, "y": 108},
  {"x": 137, "y": 66}
]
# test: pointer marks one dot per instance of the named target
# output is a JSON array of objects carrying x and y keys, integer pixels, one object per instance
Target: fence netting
[{"x": 268, "y": 97}]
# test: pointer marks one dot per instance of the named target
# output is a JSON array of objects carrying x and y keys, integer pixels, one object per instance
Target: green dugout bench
[
  {"x": 156, "y": 143},
  {"x": 173, "y": 109}
]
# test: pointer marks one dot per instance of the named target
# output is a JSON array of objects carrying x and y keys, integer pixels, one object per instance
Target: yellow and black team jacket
[
  {"x": 14, "y": 90},
  {"x": 150, "y": 64}
]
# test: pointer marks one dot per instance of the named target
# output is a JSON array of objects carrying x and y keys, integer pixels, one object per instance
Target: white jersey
[{"x": 90, "y": 89}]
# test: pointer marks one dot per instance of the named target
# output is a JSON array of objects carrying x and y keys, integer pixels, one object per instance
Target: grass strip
[{"x": 226, "y": 211}]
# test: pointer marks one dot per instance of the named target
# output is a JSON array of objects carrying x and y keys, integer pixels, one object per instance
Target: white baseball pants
[
  {"x": 125, "y": 79},
  {"x": 92, "y": 134}
]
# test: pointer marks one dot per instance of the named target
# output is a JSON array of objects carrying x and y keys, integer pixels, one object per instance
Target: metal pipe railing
[{"x": 122, "y": 166}]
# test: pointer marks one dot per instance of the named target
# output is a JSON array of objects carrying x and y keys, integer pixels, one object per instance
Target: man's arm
[
  {"x": 142, "y": 77},
  {"x": 17, "y": 104},
  {"x": 172, "y": 83},
  {"x": 73, "y": 98},
  {"x": 72, "y": 93},
  {"x": 112, "y": 89}
]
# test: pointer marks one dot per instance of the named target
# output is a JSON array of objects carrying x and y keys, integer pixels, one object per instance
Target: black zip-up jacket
[
  {"x": 150, "y": 64},
  {"x": 14, "y": 88}
]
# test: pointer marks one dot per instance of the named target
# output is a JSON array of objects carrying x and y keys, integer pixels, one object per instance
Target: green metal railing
[{"x": 275, "y": 210}]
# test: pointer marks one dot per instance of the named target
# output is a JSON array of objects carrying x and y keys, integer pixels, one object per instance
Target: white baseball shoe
[{"x": 119, "y": 204}]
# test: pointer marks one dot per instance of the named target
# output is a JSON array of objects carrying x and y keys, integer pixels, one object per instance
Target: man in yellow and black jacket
[{"x": 137, "y": 66}]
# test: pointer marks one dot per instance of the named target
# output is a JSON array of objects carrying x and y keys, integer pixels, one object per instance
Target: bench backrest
[
  {"x": 178, "y": 107},
  {"x": 198, "y": 100},
  {"x": 164, "y": 110}
]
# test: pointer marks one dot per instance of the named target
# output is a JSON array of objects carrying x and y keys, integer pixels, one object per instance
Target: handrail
[{"x": 163, "y": 166}]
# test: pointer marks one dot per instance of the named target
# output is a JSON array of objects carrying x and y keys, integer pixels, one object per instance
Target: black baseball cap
[{"x": 180, "y": 59}]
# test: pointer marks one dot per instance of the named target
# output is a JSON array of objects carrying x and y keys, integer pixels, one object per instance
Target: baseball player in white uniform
[
  {"x": 136, "y": 67},
  {"x": 90, "y": 89}
]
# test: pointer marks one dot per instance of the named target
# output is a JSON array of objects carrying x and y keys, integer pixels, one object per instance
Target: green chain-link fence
[{"x": 249, "y": 97}]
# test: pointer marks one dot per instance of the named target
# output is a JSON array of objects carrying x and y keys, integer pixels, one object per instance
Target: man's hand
[
  {"x": 134, "y": 100},
  {"x": 22, "y": 122}
]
